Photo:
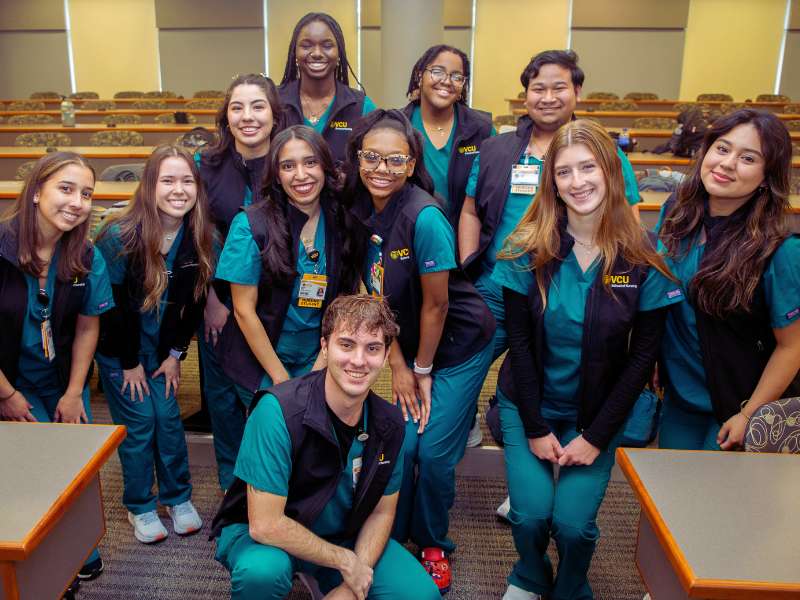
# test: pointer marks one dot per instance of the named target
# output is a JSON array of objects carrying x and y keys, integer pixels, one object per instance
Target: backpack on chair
[{"x": 688, "y": 135}]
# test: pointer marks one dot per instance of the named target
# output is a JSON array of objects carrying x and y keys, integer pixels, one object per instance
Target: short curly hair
[{"x": 351, "y": 313}]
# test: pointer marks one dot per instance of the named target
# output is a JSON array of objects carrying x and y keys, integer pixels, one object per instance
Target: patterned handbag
[{"x": 775, "y": 427}]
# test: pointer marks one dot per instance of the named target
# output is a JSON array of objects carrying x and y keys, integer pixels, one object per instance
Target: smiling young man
[{"x": 318, "y": 475}]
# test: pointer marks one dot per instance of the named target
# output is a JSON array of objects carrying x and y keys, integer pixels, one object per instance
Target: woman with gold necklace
[{"x": 315, "y": 89}]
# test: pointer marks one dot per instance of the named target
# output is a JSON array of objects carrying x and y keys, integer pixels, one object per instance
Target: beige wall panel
[
  {"x": 790, "y": 77},
  {"x": 32, "y": 14},
  {"x": 459, "y": 38},
  {"x": 195, "y": 14},
  {"x": 713, "y": 63},
  {"x": 794, "y": 16},
  {"x": 371, "y": 65},
  {"x": 21, "y": 69},
  {"x": 457, "y": 13},
  {"x": 223, "y": 53},
  {"x": 114, "y": 45},
  {"x": 283, "y": 16},
  {"x": 607, "y": 14},
  {"x": 370, "y": 13},
  {"x": 507, "y": 34},
  {"x": 623, "y": 61}
]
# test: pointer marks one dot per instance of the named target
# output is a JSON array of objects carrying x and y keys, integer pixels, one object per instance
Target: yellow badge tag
[
  {"x": 376, "y": 279},
  {"x": 524, "y": 179},
  {"x": 48, "y": 345},
  {"x": 312, "y": 290},
  {"x": 357, "y": 461}
]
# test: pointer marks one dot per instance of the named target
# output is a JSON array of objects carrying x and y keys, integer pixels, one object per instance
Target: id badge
[
  {"x": 48, "y": 345},
  {"x": 376, "y": 279},
  {"x": 524, "y": 179},
  {"x": 357, "y": 461},
  {"x": 312, "y": 290}
]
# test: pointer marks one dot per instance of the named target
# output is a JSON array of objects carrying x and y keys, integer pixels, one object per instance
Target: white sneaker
[
  {"x": 147, "y": 527},
  {"x": 185, "y": 519},
  {"x": 503, "y": 510},
  {"x": 475, "y": 434},
  {"x": 646, "y": 597},
  {"x": 517, "y": 593}
]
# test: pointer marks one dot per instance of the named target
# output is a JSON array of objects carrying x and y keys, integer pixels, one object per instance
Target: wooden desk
[
  {"x": 649, "y": 105},
  {"x": 52, "y": 514},
  {"x": 716, "y": 525},
  {"x": 204, "y": 116},
  {"x": 153, "y": 133},
  {"x": 643, "y": 160},
  {"x": 56, "y": 102},
  {"x": 100, "y": 157}
]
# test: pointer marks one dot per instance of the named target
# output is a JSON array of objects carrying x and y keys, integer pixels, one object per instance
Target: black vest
[
  {"x": 604, "y": 348},
  {"x": 120, "y": 327},
  {"x": 748, "y": 341},
  {"x": 498, "y": 155},
  {"x": 469, "y": 325},
  {"x": 316, "y": 462},
  {"x": 473, "y": 126},
  {"x": 275, "y": 294},
  {"x": 348, "y": 106},
  {"x": 67, "y": 302}
]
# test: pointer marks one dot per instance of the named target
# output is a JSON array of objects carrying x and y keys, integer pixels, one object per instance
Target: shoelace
[
  {"x": 182, "y": 510},
  {"x": 148, "y": 518}
]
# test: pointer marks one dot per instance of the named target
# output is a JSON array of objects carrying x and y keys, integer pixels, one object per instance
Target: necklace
[
  {"x": 587, "y": 247},
  {"x": 314, "y": 116}
]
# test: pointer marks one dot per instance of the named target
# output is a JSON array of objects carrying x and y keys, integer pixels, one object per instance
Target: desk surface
[
  {"x": 44, "y": 468},
  {"x": 92, "y": 127},
  {"x": 725, "y": 519},
  {"x": 34, "y": 152}
]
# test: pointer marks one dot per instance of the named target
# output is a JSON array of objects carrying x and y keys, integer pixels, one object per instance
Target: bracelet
[
  {"x": 9, "y": 396},
  {"x": 741, "y": 409},
  {"x": 422, "y": 370}
]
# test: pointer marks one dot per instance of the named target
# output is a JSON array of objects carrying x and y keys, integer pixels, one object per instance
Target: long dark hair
[
  {"x": 415, "y": 81},
  {"x": 342, "y": 69},
  {"x": 384, "y": 119},
  {"x": 73, "y": 242},
  {"x": 276, "y": 257},
  {"x": 215, "y": 153},
  {"x": 730, "y": 271}
]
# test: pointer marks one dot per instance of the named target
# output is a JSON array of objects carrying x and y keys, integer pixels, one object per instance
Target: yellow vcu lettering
[
  {"x": 338, "y": 124},
  {"x": 400, "y": 253},
  {"x": 465, "y": 149},
  {"x": 616, "y": 279}
]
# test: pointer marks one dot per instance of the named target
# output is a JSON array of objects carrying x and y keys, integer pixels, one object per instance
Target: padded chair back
[
  {"x": 628, "y": 106},
  {"x": 641, "y": 96},
  {"x": 169, "y": 118},
  {"x": 84, "y": 96},
  {"x": 160, "y": 94},
  {"x": 124, "y": 172},
  {"x": 30, "y": 119},
  {"x": 681, "y": 106},
  {"x": 148, "y": 104},
  {"x": 796, "y": 149},
  {"x": 731, "y": 106},
  {"x": 602, "y": 96},
  {"x": 203, "y": 104},
  {"x": 792, "y": 108},
  {"x": 24, "y": 169},
  {"x": 116, "y": 137},
  {"x": 123, "y": 118},
  {"x": 197, "y": 138},
  {"x": 655, "y": 123},
  {"x": 43, "y": 138},
  {"x": 98, "y": 105},
  {"x": 775, "y": 427},
  {"x": 773, "y": 98},
  {"x": 209, "y": 94},
  {"x": 27, "y": 105},
  {"x": 793, "y": 125},
  {"x": 129, "y": 94},
  {"x": 501, "y": 120},
  {"x": 714, "y": 98},
  {"x": 43, "y": 95}
]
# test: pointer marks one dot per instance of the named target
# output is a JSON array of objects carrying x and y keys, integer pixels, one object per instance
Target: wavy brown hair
[
  {"x": 729, "y": 272},
  {"x": 73, "y": 243},
  {"x": 619, "y": 233},
  {"x": 141, "y": 232}
]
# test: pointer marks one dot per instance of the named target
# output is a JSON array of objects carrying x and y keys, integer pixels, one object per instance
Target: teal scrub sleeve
[
  {"x": 240, "y": 261},
  {"x": 515, "y": 274},
  {"x": 369, "y": 106},
  {"x": 782, "y": 284},
  {"x": 658, "y": 291},
  {"x": 397, "y": 476},
  {"x": 629, "y": 176},
  {"x": 98, "y": 298},
  {"x": 265, "y": 458},
  {"x": 472, "y": 180},
  {"x": 110, "y": 246},
  {"x": 661, "y": 215},
  {"x": 434, "y": 242},
  {"x": 493, "y": 132}
]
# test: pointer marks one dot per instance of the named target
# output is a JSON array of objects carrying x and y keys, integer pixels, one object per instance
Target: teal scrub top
[
  {"x": 240, "y": 263},
  {"x": 36, "y": 371},
  {"x": 434, "y": 247},
  {"x": 265, "y": 462},
  {"x": 322, "y": 123},
  {"x": 680, "y": 346},
  {"x": 563, "y": 322},
  {"x": 437, "y": 160}
]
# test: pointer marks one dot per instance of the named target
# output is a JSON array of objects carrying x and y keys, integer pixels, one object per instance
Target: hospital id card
[
  {"x": 312, "y": 290},
  {"x": 524, "y": 179},
  {"x": 48, "y": 345},
  {"x": 357, "y": 462},
  {"x": 376, "y": 279}
]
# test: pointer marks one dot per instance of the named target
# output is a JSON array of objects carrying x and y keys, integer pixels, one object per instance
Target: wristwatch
[
  {"x": 422, "y": 370},
  {"x": 178, "y": 354}
]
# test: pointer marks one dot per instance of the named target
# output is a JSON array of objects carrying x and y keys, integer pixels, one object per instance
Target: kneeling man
[{"x": 318, "y": 475}]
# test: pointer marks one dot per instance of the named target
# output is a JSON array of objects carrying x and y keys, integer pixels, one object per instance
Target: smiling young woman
[{"x": 315, "y": 88}]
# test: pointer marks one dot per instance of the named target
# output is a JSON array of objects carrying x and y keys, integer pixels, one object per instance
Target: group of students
[{"x": 479, "y": 243}]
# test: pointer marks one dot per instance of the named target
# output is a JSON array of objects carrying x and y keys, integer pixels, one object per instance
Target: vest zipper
[{"x": 373, "y": 467}]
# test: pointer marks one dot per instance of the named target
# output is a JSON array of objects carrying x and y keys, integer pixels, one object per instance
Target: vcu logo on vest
[
  {"x": 467, "y": 150},
  {"x": 340, "y": 126},
  {"x": 400, "y": 254},
  {"x": 619, "y": 281}
]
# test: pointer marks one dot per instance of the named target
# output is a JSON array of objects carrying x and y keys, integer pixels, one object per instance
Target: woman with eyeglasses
[
  {"x": 315, "y": 88},
  {"x": 443, "y": 350},
  {"x": 160, "y": 259},
  {"x": 53, "y": 287},
  {"x": 232, "y": 171},
  {"x": 451, "y": 131},
  {"x": 286, "y": 258}
]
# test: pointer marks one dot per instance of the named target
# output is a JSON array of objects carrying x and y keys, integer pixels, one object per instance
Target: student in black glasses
[{"x": 53, "y": 286}]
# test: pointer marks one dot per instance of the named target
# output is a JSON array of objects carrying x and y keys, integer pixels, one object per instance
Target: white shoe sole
[
  {"x": 143, "y": 539},
  {"x": 475, "y": 435},
  {"x": 503, "y": 510}
]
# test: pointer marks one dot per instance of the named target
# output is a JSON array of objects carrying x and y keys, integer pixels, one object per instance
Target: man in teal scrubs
[{"x": 318, "y": 475}]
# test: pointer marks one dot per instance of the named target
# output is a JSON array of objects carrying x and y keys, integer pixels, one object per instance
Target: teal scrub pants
[
  {"x": 540, "y": 507},
  {"x": 226, "y": 410},
  {"x": 44, "y": 408},
  {"x": 429, "y": 471},
  {"x": 684, "y": 430},
  {"x": 498, "y": 310},
  {"x": 155, "y": 437},
  {"x": 265, "y": 572}
]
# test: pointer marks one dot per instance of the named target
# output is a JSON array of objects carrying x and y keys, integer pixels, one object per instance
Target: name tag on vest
[
  {"x": 312, "y": 290},
  {"x": 524, "y": 179}
]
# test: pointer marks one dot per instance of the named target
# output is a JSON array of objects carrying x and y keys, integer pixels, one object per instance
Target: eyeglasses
[
  {"x": 439, "y": 75},
  {"x": 395, "y": 163},
  {"x": 44, "y": 304}
]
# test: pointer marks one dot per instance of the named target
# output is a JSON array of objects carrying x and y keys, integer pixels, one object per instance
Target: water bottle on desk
[
  {"x": 624, "y": 141},
  {"x": 67, "y": 112}
]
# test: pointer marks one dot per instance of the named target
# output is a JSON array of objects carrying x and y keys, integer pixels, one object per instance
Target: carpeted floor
[{"x": 184, "y": 568}]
